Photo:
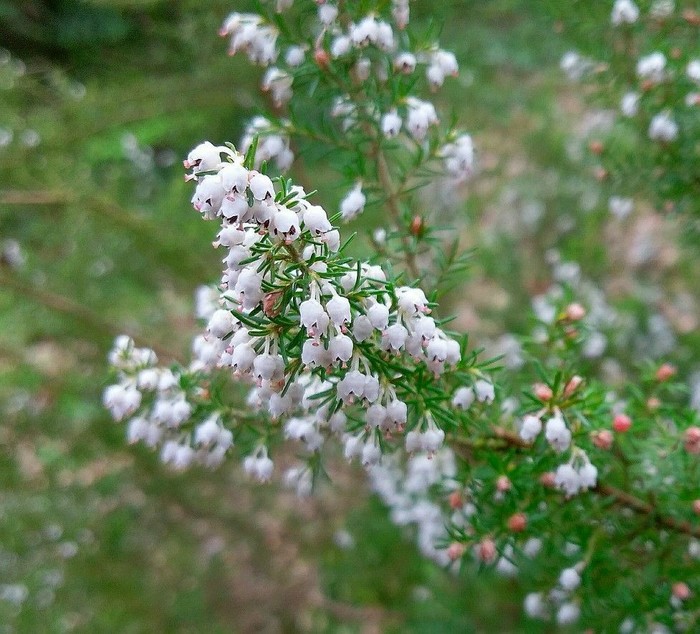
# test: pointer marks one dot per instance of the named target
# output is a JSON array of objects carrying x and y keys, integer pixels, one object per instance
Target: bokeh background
[{"x": 99, "y": 102}]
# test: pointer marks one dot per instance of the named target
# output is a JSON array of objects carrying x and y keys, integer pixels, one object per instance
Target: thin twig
[
  {"x": 392, "y": 200},
  {"x": 66, "y": 306}
]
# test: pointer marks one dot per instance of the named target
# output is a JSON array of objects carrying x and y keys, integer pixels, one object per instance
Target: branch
[
  {"x": 392, "y": 201},
  {"x": 622, "y": 498},
  {"x": 66, "y": 306}
]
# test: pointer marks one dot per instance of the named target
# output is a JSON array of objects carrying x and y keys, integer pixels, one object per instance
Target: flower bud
[
  {"x": 621, "y": 423},
  {"x": 680, "y": 590},
  {"x": 517, "y": 522},
  {"x": 603, "y": 439},
  {"x": 486, "y": 550},
  {"x": 455, "y": 551},
  {"x": 665, "y": 372},
  {"x": 503, "y": 484},
  {"x": 543, "y": 392},
  {"x": 573, "y": 385}
]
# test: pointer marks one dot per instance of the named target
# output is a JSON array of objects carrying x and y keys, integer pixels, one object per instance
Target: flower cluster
[{"x": 319, "y": 337}]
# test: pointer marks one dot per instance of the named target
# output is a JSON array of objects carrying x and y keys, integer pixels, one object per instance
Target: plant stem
[{"x": 392, "y": 201}]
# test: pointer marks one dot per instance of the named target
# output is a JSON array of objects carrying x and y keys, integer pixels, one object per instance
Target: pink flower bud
[
  {"x": 542, "y": 392},
  {"x": 548, "y": 479},
  {"x": 573, "y": 385},
  {"x": 621, "y": 423},
  {"x": 503, "y": 484},
  {"x": 575, "y": 312},
  {"x": 517, "y": 522},
  {"x": 456, "y": 500},
  {"x": 696, "y": 507},
  {"x": 455, "y": 551},
  {"x": 665, "y": 372},
  {"x": 680, "y": 590},
  {"x": 692, "y": 440},
  {"x": 603, "y": 439},
  {"x": 486, "y": 550}
]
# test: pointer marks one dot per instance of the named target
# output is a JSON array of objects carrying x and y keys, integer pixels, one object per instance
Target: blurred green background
[{"x": 99, "y": 102}]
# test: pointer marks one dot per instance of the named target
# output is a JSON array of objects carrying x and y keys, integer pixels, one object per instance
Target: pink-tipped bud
[
  {"x": 621, "y": 423},
  {"x": 691, "y": 440},
  {"x": 503, "y": 484},
  {"x": 322, "y": 58},
  {"x": 653, "y": 403},
  {"x": 665, "y": 372},
  {"x": 517, "y": 522},
  {"x": 548, "y": 479},
  {"x": 680, "y": 590},
  {"x": 575, "y": 312},
  {"x": 603, "y": 439},
  {"x": 543, "y": 392},
  {"x": 455, "y": 551},
  {"x": 573, "y": 384},
  {"x": 486, "y": 550},
  {"x": 696, "y": 507},
  {"x": 456, "y": 500}
]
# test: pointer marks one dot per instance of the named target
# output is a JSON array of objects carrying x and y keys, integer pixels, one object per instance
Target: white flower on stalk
[
  {"x": 530, "y": 428},
  {"x": 391, "y": 124},
  {"x": 557, "y": 433},
  {"x": 421, "y": 115},
  {"x": 629, "y": 104},
  {"x": 624, "y": 12},
  {"x": 652, "y": 67},
  {"x": 354, "y": 203},
  {"x": 663, "y": 128}
]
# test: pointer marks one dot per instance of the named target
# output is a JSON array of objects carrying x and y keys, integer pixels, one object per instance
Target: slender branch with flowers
[{"x": 555, "y": 482}]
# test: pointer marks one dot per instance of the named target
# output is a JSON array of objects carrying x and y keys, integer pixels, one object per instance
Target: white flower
[
  {"x": 535, "y": 606},
  {"x": 421, "y": 115},
  {"x": 294, "y": 56},
  {"x": 121, "y": 400},
  {"x": 362, "y": 328},
  {"x": 405, "y": 63},
  {"x": 400, "y": 12},
  {"x": 394, "y": 337},
  {"x": 354, "y": 203},
  {"x": 568, "y": 613},
  {"x": 569, "y": 579},
  {"x": 340, "y": 46},
  {"x": 340, "y": 348},
  {"x": 620, "y": 207},
  {"x": 327, "y": 13},
  {"x": 261, "y": 186},
  {"x": 588, "y": 476},
  {"x": 663, "y": 128},
  {"x": 629, "y": 104},
  {"x": 378, "y": 315},
  {"x": 652, "y": 67},
  {"x": 338, "y": 309},
  {"x": 221, "y": 323},
  {"x": 692, "y": 70},
  {"x": 208, "y": 196},
  {"x": 530, "y": 428},
  {"x": 463, "y": 397},
  {"x": 313, "y": 316},
  {"x": 207, "y": 433},
  {"x": 316, "y": 220},
  {"x": 557, "y": 433},
  {"x": 624, "y": 12},
  {"x": 484, "y": 390},
  {"x": 391, "y": 124},
  {"x": 567, "y": 479}
]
